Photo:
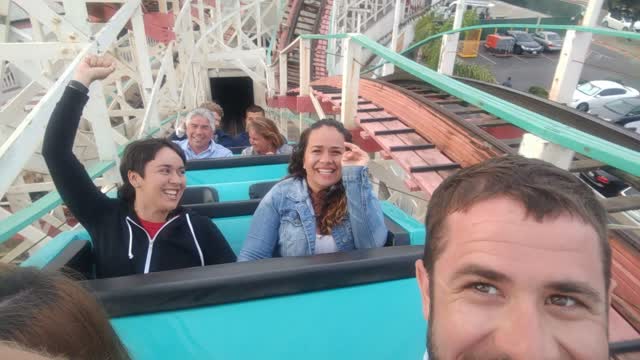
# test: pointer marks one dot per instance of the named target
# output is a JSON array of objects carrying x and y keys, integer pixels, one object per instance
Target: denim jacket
[{"x": 284, "y": 222}]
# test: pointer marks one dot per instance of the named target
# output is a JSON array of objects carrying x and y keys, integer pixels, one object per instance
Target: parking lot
[{"x": 526, "y": 70}]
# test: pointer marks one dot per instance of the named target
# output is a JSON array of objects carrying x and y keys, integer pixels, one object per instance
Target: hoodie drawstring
[
  {"x": 195, "y": 240},
  {"x": 130, "y": 239}
]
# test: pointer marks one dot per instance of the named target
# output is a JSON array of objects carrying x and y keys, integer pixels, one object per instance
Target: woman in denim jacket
[{"x": 328, "y": 177}]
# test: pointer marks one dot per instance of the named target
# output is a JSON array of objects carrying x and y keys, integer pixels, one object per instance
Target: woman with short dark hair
[
  {"x": 325, "y": 205},
  {"x": 144, "y": 230},
  {"x": 51, "y": 314}
]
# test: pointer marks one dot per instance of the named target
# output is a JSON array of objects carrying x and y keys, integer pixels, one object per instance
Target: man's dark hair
[
  {"x": 545, "y": 191},
  {"x": 254, "y": 109},
  {"x": 136, "y": 156}
]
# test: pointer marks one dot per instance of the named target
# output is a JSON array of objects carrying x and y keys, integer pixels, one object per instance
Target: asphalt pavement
[{"x": 602, "y": 63}]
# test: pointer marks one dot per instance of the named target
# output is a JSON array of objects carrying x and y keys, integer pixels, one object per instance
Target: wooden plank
[{"x": 428, "y": 182}]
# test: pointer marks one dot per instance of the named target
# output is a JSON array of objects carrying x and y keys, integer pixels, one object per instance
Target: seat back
[
  {"x": 199, "y": 195},
  {"x": 259, "y": 190},
  {"x": 76, "y": 258}
]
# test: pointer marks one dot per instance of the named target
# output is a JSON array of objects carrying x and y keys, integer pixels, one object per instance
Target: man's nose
[{"x": 523, "y": 333}]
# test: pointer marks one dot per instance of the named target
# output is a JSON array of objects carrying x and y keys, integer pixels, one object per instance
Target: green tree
[
  {"x": 473, "y": 71},
  {"x": 539, "y": 91},
  {"x": 430, "y": 25}
]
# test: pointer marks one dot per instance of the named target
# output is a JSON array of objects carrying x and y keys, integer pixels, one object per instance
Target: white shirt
[{"x": 325, "y": 244}]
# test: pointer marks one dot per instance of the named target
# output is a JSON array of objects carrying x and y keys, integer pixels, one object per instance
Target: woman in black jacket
[{"x": 144, "y": 230}]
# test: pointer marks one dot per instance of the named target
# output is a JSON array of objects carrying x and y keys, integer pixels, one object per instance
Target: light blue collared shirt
[{"x": 213, "y": 151}]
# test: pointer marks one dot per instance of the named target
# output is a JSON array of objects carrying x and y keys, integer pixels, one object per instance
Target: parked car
[
  {"x": 634, "y": 214},
  {"x": 594, "y": 94},
  {"x": 618, "y": 21},
  {"x": 525, "y": 43},
  {"x": 606, "y": 184},
  {"x": 618, "y": 109},
  {"x": 631, "y": 123},
  {"x": 549, "y": 40}
]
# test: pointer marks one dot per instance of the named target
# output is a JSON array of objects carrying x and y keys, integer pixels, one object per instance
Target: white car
[
  {"x": 594, "y": 94},
  {"x": 618, "y": 21}
]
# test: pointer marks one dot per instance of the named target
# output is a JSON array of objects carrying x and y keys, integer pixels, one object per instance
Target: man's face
[
  {"x": 253, "y": 116},
  {"x": 199, "y": 133},
  {"x": 509, "y": 287}
]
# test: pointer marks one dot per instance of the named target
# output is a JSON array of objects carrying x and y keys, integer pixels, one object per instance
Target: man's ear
[{"x": 423, "y": 284}]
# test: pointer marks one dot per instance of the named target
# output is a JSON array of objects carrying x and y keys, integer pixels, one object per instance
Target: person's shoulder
[
  {"x": 247, "y": 151},
  {"x": 291, "y": 187},
  {"x": 181, "y": 142},
  {"x": 222, "y": 150}
]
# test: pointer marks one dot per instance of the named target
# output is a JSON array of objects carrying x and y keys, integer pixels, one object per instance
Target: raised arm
[
  {"x": 365, "y": 213},
  {"x": 71, "y": 179},
  {"x": 264, "y": 231}
]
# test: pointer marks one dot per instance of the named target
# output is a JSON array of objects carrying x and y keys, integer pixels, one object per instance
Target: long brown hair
[
  {"x": 48, "y": 312},
  {"x": 267, "y": 129},
  {"x": 329, "y": 205}
]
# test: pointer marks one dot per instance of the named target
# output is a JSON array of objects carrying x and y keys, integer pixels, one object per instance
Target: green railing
[{"x": 599, "y": 149}]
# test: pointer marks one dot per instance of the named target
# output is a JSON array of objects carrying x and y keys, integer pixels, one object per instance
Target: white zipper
[{"x": 151, "y": 240}]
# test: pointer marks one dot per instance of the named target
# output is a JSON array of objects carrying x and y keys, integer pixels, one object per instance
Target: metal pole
[{"x": 449, "y": 46}]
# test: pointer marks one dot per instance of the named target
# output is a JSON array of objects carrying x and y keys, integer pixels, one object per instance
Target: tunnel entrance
[{"x": 234, "y": 94}]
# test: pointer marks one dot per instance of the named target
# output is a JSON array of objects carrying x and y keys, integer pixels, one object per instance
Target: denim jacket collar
[{"x": 299, "y": 192}]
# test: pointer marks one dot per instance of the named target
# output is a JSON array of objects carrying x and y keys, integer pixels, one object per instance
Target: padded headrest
[
  {"x": 259, "y": 190},
  {"x": 199, "y": 195}
]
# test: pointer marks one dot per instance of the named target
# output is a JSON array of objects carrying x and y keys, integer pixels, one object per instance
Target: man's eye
[
  {"x": 485, "y": 288},
  {"x": 562, "y": 300}
]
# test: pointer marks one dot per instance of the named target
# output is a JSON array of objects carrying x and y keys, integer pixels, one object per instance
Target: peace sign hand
[
  {"x": 354, "y": 156},
  {"x": 93, "y": 68}
]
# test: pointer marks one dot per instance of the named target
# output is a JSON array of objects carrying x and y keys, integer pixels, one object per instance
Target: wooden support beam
[{"x": 350, "y": 82}]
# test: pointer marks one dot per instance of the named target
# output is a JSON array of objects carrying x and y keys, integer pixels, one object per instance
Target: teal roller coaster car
[{"x": 360, "y": 304}]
